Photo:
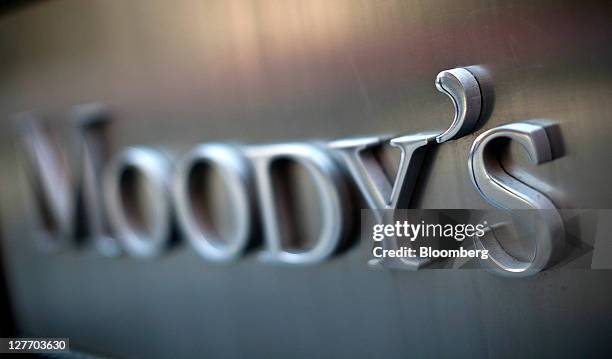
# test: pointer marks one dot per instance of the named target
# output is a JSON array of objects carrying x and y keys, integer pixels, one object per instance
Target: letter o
[
  {"x": 134, "y": 176},
  {"x": 235, "y": 171}
]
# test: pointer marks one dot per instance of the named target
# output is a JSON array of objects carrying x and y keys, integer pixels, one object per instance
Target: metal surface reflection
[{"x": 187, "y": 72}]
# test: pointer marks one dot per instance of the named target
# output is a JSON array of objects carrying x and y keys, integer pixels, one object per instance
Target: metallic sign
[{"x": 138, "y": 175}]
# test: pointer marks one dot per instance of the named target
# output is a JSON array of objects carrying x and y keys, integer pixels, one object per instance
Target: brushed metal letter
[
  {"x": 143, "y": 230},
  {"x": 378, "y": 191},
  {"x": 503, "y": 191},
  {"x": 330, "y": 189},
  {"x": 51, "y": 182},
  {"x": 57, "y": 189},
  {"x": 463, "y": 89},
  {"x": 92, "y": 122},
  {"x": 235, "y": 171}
]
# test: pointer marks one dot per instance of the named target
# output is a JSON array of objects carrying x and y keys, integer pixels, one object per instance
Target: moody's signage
[{"x": 134, "y": 201}]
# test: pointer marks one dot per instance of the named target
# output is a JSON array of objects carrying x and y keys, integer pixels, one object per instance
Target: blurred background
[{"x": 178, "y": 73}]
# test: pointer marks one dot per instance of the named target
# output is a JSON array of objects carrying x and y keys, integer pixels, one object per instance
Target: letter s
[{"x": 505, "y": 192}]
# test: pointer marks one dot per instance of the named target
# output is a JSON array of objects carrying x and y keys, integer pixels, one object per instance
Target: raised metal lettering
[
  {"x": 503, "y": 191},
  {"x": 235, "y": 172},
  {"x": 331, "y": 193}
]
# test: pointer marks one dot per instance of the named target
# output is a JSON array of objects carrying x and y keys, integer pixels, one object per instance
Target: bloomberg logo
[{"x": 97, "y": 195}]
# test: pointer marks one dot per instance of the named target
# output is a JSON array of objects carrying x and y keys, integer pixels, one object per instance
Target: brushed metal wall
[{"x": 184, "y": 72}]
